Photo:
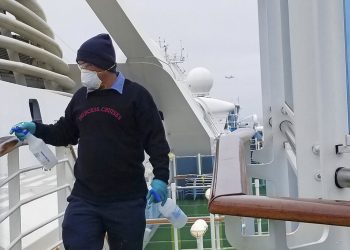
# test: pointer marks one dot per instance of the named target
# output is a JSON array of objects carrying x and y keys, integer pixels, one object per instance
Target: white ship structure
[{"x": 299, "y": 154}]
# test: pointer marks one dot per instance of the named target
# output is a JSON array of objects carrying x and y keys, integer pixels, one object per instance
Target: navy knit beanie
[{"x": 98, "y": 51}]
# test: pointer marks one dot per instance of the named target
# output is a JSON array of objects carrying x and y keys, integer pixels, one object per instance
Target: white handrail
[
  {"x": 24, "y": 170},
  {"x": 21, "y": 236},
  {"x": 14, "y": 209},
  {"x": 17, "y": 239},
  {"x": 32, "y": 198},
  {"x": 9, "y": 178}
]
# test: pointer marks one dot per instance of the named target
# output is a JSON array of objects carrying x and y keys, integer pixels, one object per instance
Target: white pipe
[
  {"x": 173, "y": 196},
  {"x": 26, "y": 15},
  {"x": 217, "y": 233},
  {"x": 14, "y": 198},
  {"x": 176, "y": 239},
  {"x": 30, "y": 33},
  {"x": 257, "y": 193},
  {"x": 200, "y": 243},
  {"x": 174, "y": 166},
  {"x": 64, "y": 81},
  {"x": 212, "y": 232},
  {"x": 199, "y": 164},
  {"x": 54, "y": 61}
]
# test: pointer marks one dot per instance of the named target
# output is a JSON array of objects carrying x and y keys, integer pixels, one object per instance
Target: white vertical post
[
  {"x": 212, "y": 223},
  {"x": 199, "y": 164},
  {"x": 173, "y": 196},
  {"x": 172, "y": 158},
  {"x": 212, "y": 232},
  {"x": 14, "y": 192},
  {"x": 174, "y": 170},
  {"x": 176, "y": 239},
  {"x": 217, "y": 232},
  {"x": 200, "y": 243},
  {"x": 173, "y": 191},
  {"x": 61, "y": 180},
  {"x": 174, "y": 166},
  {"x": 257, "y": 193},
  {"x": 171, "y": 169}
]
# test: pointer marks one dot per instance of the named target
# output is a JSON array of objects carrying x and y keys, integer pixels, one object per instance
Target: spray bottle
[
  {"x": 39, "y": 149},
  {"x": 171, "y": 211}
]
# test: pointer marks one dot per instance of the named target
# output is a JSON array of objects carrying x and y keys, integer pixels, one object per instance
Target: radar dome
[{"x": 200, "y": 81}]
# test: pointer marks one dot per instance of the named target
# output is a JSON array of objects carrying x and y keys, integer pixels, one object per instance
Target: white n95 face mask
[{"x": 90, "y": 79}]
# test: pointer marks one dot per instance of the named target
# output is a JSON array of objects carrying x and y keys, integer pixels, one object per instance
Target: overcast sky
[{"x": 222, "y": 36}]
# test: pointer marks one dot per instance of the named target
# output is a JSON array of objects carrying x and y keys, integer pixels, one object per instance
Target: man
[{"x": 114, "y": 120}]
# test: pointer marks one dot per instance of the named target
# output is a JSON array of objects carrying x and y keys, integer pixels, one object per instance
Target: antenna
[
  {"x": 175, "y": 59},
  {"x": 182, "y": 49}
]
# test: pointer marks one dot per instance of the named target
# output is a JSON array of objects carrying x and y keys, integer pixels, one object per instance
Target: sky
[{"x": 222, "y": 36}]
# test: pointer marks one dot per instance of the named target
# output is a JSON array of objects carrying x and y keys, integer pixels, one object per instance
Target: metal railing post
[
  {"x": 14, "y": 193},
  {"x": 217, "y": 232},
  {"x": 199, "y": 164},
  {"x": 62, "y": 194},
  {"x": 212, "y": 232},
  {"x": 257, "y": 193},
  {"x": 174, "y": 167},
  {"x": 173, "y": 196}
]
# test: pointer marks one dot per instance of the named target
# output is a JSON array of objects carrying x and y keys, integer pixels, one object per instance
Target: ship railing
[
  {"x": 210, "y": 120},
  {"x": 191, "y": 220},
  {"x": 9, "y": 146},
  {"x": 230, "y": 189}
]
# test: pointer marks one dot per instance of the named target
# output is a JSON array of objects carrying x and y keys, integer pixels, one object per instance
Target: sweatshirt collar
[{"x": 118, "y": 84}]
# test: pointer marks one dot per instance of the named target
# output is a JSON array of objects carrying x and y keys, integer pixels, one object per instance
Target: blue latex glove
[
  {"x": 19, "y": 128},
  {"x": 158, "y": 193}
]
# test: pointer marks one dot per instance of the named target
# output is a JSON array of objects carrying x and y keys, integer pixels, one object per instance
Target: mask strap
[{"x": 111, "y": 67}]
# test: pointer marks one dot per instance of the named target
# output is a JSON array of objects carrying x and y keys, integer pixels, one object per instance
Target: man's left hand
[{"x": 160, "y": 187}]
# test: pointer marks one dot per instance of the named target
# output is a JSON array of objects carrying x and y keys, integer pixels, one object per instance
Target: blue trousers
[{"x": 85, "y": 224}]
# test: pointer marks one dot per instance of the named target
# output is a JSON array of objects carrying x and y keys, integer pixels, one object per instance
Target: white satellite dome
[{"x": 200, "y": 81}]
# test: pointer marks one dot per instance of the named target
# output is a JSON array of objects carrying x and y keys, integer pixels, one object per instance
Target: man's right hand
[{"x": 30, "y": 126}]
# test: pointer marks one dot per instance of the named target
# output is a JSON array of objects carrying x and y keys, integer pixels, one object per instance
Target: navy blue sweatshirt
[{"x": 113, "y": 130}]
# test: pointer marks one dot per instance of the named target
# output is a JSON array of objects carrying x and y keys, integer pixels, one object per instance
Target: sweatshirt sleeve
[
  {"x": 62, "y": 133},
  {"x": 153, "y": 135}
]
